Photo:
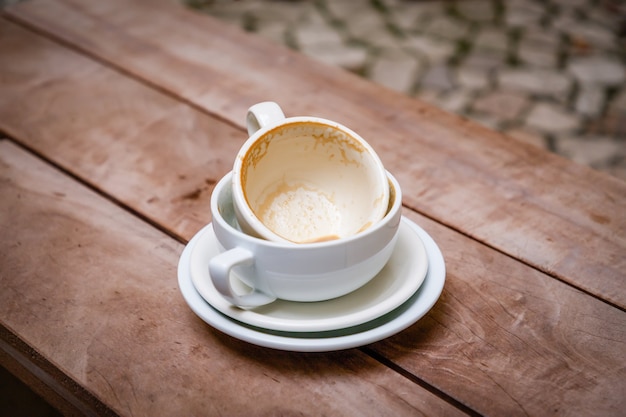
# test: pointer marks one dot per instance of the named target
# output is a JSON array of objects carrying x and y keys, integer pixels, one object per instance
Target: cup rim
[
  {"x": 237, "y": 184},
  {"x": 227, "y": 180}
]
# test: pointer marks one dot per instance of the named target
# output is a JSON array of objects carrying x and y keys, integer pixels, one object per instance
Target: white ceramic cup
[
  {"x": 306, "y": 272},
  {"x": 306, "y": 179}
]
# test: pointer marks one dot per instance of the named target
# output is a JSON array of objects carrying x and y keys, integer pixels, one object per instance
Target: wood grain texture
[
  {"x": 508, "y": 340},
  {"x": 46, "y": 380},
  {"x": 562, "y": 218},
  {"x": 503, "y": 339},
  {"x": 95, "y": 290},
  {"x": 107, "y": 129}
]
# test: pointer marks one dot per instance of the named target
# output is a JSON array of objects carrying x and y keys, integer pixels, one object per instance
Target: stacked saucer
[
  {"x": 308, "y": 249},
  {"x": 398, "y": 296}
]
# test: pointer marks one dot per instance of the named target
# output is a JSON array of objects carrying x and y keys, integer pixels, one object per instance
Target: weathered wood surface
[
  {"x": 507, "y": 340},
  {"x": 503, "y": 339},
  {"x": 94, "y": 288},
  {"x": 90, "y": 119},
  {"x": 561, "y": 218}
]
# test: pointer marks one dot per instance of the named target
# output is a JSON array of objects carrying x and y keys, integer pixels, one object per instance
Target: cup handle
[
  {"x": 219, "y": 270},
  {"x": 263, "y": 114}
]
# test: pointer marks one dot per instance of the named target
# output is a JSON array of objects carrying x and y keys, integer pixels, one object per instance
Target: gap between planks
[
  {"x": 113, "y": 66},
  {"x": 63, "y": 392},
  {"x": 62, "y": 385},
  {"x": 102, "y": 193},
  {"x": 364, "y": 349},
  {"x": 418, "y": 381},
  {"x": 171, "y": 94}
]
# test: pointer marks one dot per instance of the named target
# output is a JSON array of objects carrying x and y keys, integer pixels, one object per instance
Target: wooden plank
[
  {"x": 508, "y": 340},
  {"x": 46, "y": 380},
  {"x": 564, "y": 219},
  {"x": 496, "y": 318},
  {"x": 110, "y": 126},
  {"x": 94, "y": 289}
]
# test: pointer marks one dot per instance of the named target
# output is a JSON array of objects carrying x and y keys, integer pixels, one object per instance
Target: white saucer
[
  {"x": 393, "y": 322},
  {"x": 398, "y": 280}
]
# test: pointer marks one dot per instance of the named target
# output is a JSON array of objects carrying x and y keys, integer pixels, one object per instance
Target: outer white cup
[
  {"x": 306, "y": 272},
  {"x": 306, "y": 179}
]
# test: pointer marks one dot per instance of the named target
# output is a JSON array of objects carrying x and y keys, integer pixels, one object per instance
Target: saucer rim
[
  {"x": 413, "y": 280},
  {"x": 404, "y": 316}
]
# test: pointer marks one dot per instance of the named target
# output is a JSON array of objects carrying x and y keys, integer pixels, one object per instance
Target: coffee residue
[
  {"x": 322, "y": 239},
  {"x": 300, "y": 213}
]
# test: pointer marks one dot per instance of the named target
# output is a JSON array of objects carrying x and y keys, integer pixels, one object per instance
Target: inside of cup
[
  {"x": 226, "y": 207},
  {"x": 308, "y": 182}
]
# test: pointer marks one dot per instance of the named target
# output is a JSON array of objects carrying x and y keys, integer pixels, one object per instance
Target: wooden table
[{"x": 118, "y": 119}]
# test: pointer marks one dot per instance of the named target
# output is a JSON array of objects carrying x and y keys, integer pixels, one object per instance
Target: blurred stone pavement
[{"x": 551, "y": 72}]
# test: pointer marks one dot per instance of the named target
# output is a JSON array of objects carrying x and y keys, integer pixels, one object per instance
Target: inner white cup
[
  {"x": 306, "y": 272},
  {"x": 306, "y": 179}
]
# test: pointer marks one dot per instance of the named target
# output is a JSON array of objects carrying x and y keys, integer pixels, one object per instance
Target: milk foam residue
[{"x": 301, "y": 214}]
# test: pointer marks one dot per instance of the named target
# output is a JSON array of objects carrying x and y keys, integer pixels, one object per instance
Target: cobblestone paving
[{"x": 551, "y": 73}]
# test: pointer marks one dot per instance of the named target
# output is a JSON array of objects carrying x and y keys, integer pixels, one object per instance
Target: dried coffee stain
[
  {"x": 598, "y": 218},
  {"x": 195, "y": 194}
]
